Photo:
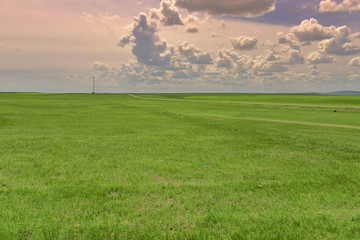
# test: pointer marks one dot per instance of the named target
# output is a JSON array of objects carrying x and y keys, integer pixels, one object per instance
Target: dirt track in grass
[
  {"x": 261, "y": 119},
  {"x": 248, "y": 103}
]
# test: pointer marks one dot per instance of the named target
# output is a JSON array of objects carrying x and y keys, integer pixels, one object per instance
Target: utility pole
[{"x": 93, "y": 85}]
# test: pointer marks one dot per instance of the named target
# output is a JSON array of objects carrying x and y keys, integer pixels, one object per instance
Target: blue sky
[{"x": 180, "y": 45}]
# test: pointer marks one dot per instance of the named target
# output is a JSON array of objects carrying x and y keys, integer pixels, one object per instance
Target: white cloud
[
  {"x": 289, "y": 39},
  {"x": 355, "y": 62},
  {"x": 243, "y": 8},
  {"x": 264, "y": 67},
  {"x": 168, "y": 14},
  {"x": 146, "y": 43},
  {"x": 310, "y": 30},
  {"x": 244, "y": 43},
  {"x": 294, "y": 56},
  {"x": 284, "y": 56},
  {"x": 226, "y": 59},
  {"x": 344, "y": 6},
  {"x": 161, "y": 64},
  {"x": 318, "y": 58},
  {"x": 194, "y": 55},
  {"x": 340, "y": 44}
]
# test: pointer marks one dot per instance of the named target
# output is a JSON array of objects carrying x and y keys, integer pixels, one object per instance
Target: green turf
[
  {"x": 82, "y": 166},
  {"x": 311, "y": 99}
]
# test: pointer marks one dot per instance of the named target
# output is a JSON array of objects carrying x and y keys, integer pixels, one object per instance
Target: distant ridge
[{"x": 343, "y": 93}]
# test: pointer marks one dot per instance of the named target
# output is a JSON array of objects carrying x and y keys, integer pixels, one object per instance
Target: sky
[{"x": 285, "y": 46}]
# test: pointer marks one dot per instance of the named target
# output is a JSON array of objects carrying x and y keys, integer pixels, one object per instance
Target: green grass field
[{"x": 112, "y": 166}]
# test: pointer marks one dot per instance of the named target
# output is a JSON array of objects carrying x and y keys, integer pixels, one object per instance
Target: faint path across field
[
  {"x": 279, "y": 121},
  {"x": 249, "y": 103},
  {"x": 259, "y": 119}
]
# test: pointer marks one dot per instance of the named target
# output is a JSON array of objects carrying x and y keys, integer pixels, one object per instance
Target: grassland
[{"x": 107, "y": 166}]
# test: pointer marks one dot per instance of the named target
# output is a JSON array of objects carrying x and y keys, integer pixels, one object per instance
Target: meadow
[{"x": 179, "y": 166}]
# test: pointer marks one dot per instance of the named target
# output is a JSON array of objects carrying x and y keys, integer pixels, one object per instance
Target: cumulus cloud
[
  {"x": 194, "y": 55},
  {"x": 333, "y": 40},
  {"x": 183, "y": 63},
  {"x": 261, "y": 66},
  {"x": 344, "y": 6},
  {"x": 318, "y": 58},
  {"x": 244, "y": 8},
  {"x": 271, "y": 55},
  {"x": 355, "y": 62},
  {"x": 192, "y": 29},
  {"x": 168, "y": 14},
  {"x": 289, "y": 39},
  {"x": 100, "y": 66},
  {"x": 294, "y": 56},
  {"x": 310, "y": 30},
  {"x": 226, "y": 59},
  {"x": 340, "y": 44},
  {"x": 147, "y": 45},
  {"x": 284, "y": 56},
  {"x": 244, "y": 43}
]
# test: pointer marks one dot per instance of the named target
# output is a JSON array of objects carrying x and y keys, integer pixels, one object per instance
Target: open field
[{"x": 113, "y": 166}]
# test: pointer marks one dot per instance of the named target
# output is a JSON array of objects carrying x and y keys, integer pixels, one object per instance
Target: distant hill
[{"x": 343, "y": 93}]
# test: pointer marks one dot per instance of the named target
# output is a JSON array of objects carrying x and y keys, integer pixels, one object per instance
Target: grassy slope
[{"x": 78, "y": 166}]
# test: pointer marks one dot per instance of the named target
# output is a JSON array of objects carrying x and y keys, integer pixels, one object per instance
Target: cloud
[
  {"x": 262, "y": 66},
  {"x": 124, "y": 40},
  {"x": 146, "y": 43},
  {"x": 355, "y": 62},
  {"x": 353, "y": 77},
  {"x": 192, "y": 29},
  {"x": 194, "y": 55},
  {"x": 225, "y": 59},
  {"x": 191, "y": 19},
  {"x": 318, "y": 58},
  {"x": 100, "y": 66},
  {"x": 340, "y": 44},
  {"x": 344, "y": 6},
  {"x": 244, "y": 43},
  {"x": 294, "y": 56},
  {"x": 289, "y": 39},
  {"x": 159, "y": 63},
  {"x": 355, "y": 35},
  {"x": 333, "y": 40},
  {"x": 271, "y": 55},
  {"x": 310, "y": 30},
  {"x": 286, "y": 56},
  {"x": 313, "y": 70},
  {"x": 244, "y": 8},
  {"x": 168, "y": 14}
]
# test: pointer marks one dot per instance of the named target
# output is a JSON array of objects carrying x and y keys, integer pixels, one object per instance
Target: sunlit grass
[{"x": 79, "y": 166}]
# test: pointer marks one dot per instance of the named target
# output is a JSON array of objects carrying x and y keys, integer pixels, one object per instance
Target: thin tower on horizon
[{"x": 93, "y": 85}]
